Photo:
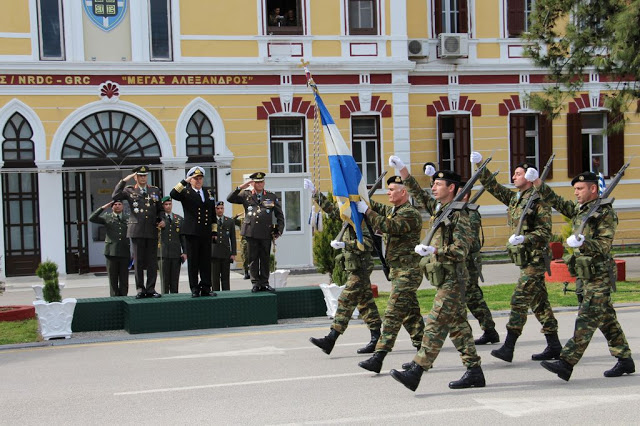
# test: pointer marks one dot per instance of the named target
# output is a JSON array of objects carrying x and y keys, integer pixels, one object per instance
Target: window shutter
[
  {"x": 515, "y": 17},
  {"x": 463, "y": 24},
  {"x": 615, "y": 146},
  {"x": 437, "y": 15},
  {"x": 516, "y": 138},
  {"x": 545, "y": 138},
  {"x": 462, "y": 145},
  {"x": 574, "y": 144}
]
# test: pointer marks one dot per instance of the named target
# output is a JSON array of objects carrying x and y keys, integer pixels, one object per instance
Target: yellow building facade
[{"x": 89, "y": 89}]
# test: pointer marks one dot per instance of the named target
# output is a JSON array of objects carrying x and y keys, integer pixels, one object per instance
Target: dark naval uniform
[
  {"x": 224, "y": 246},
  {"x": 198, "y": 218},
  {"x": 173, "y": 245},
  {"x": 116, "y": 249},
  {"x": 146, "y": 210}
]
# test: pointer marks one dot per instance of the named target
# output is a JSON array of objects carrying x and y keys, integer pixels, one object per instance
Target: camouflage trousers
[
  {"x": 448, "y": 317},
  {"x": 596, "y": 312},
  {"x": 245, "y": 254},
  {"x": 475, "y": 300},
  {"x": 402, "y": 308},
  {"x": 357, "y": 293},
  {"x": 531, "y": 292}
]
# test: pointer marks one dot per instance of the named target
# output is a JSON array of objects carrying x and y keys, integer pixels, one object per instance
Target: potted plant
[
  {"x": 277, "y": 277},
  {"x": 54, "y": 315},
  {"x": 556, "y": 247}
]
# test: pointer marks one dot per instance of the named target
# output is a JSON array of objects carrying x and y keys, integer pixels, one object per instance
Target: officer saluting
[
  {"x": 263, "y": 222},
  {"x": 144, "y": 221}
]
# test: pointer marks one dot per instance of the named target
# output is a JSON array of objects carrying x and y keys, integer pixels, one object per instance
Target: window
[
  {"x": 530, "y": 140},
  {"x": 451, "y": 16},
  {"x": 50, "y": 30},
  {"x": 199, "y": 141},
  {"x": 590, "y": 145},
  {"x": 284, "y": 17},
  {"x": 454, "y": 136},
  {"x": 518, "y": 16},
  {"x": 365, "y": 146},
  {"x": 362, "y": 17},
  {"x": 160, "y": 28},
  {"x": 287, "y": 145},
  {"x": 291, "y": 208}
]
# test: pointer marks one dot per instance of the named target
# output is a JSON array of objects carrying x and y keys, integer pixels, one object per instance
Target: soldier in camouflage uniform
[
  {"x": 528, "y": 252},
  {"x": 592, "y": 263},
  {"x": 401, "y": 225},
  {"x": 474, "y": 296},
  {"x": 357, "y": 291},
  {"x": 445, "y": 268}
]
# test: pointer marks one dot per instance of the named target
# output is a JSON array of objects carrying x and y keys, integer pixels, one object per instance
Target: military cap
[
  {"x": 195, "y": 171},
  {"x": 220, "y": 203},
  {"x": 166, "y": 198},
  {"x": 585, "y": 177},
  {"x": 141, "y": 170},
  {"x": 257, "y": 177},
  {"x": 395, "y": 179},
  {"x": 524, "y": 165},
  {"x": 447, "y": 175}
]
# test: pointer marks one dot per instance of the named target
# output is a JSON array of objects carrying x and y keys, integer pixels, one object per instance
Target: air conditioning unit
[
  {"x": 418, "y": 49},
  {"x": 453, "y": 45}
]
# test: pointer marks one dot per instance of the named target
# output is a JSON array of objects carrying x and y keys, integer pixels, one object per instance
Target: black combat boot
[
  {"x": 374, "y": 363},
  {"x": 326, "y": 343},
  {"x": 410, "y": 377},
  {"x": 407, "y": 365},
  {"x": 623, "y": 366},
  {"x": 370, "y": 347},
  {"x": 505, "y": 353},
  {"x": 562, "y": 368},
  {"x": 489, "y": 336},
  {"x": 552, "y": 351},
  {"x": 472, "y": 378},
  {"x": 246, "y": 275}
]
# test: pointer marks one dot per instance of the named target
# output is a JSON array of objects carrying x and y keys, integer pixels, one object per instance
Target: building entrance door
[{"x": 75, "y": 222}]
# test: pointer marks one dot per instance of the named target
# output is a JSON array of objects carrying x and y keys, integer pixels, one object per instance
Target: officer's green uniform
[
  {"x": 237, "y": 220},
  {"x": 170, "y": 249},
  {"x": 117, "y": 251}
]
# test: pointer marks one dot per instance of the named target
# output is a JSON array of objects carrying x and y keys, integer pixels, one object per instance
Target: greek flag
[
  {"x": 601, "y": 185},
  {"x": 346, "y": 178}
]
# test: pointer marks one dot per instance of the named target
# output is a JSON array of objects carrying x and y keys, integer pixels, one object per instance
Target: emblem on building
[
  {"x": 105, "y": 14},
  {"x": 109, "y": 91}
]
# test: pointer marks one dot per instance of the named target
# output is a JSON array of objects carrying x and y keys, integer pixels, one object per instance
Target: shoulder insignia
[{"x": 179, "y": 187}]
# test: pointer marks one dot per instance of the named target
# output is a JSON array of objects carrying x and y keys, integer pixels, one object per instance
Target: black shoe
[
  {"x": 155, "y": 295},
  {"x": 374, "y": 363},
  {"x": 255, "y": 289},
  {"x": 489, "y": 336},
  {"x": 410, "y": 377},
  {"x": 208, "y": 294},
  {"x": 141, "y": 295},
  {"x": 246, "y": 275},
  {"x": 505, "y": 353},
  {"x": 268, "y": 288},
  {"x": 370, "y": 347},
  {"x": 623, "y": 366},
  {"x": 195, "y": 293},
  {"x": 552, "y": 351},
  {"x": 562, "y": 368},
  {"x": 472, "y": 378},
  {"x": 326, "y": 343}
]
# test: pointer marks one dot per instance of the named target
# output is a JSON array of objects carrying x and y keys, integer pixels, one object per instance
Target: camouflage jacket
[
  {"x": 475, "y": 223},
  {"x": 421, "y": 197},
  {"x": 349, "y": 238},
  {"x": 401, "y": 227},
  {"x": 537, "y": 227},
  {"x": 453, "y": 241}
]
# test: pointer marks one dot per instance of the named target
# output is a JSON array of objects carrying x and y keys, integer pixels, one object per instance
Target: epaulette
[{"x": 179, "y": 187}]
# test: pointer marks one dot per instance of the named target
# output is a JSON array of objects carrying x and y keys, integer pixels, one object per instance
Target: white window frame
[
  {"x": 42, "y": 57},
  {"x": 286, "y": 141},
  {"x": 446, "y": 16},
  {"x": 597, "y": 132},
  {"x": 280, "y": 193},
  {"x": 169, "y": 33},
  {"x": 535, "y": 134},
  {"x": 362, "y": 139}
]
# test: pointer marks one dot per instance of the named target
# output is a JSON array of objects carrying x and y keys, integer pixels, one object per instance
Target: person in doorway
[
  {"x": 224, "y": 249},
  {"x": 172, "y": 250}
]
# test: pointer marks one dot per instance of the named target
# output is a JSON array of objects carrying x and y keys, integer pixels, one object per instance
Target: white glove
[
  {"x": 337, "y": 244},
  {"x": 516, "y": 239},
  {"x": 362, "y": 207},
  {"x": 476, "y": 157},
  {"x": 429, "y": 170},
  {"x": 531, "y": 174},
  {"x": 574, "y": 241},
  {"x": 423, "y": 250},
  {"x": 309, "y": 186},
  {"x": 396, "y": 162}
]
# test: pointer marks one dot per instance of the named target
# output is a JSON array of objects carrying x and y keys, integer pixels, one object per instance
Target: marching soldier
[
  {"x": 591, "y": 262},
  {"x": 263, "y": 222},
  {"x": 224, "y": 249},
  {"x": 144, "y": 221},
  {"x": 357, "y": 291},
  {"x": 445, "y": 268},
  {"x": 172, "y": 248},
  {"x": 198, "y": 204},
  {"x": 116, "y": 246},
  {"x": 401, "y": 225},
  {"x": 527, "y": 251}
]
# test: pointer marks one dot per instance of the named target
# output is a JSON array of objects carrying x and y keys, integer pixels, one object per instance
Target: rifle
[{"x": 471, "y": 205}]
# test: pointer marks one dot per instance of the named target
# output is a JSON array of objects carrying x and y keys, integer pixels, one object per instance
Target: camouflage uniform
[
  {"x": 401, "y": 226},
  {"x": 243, "y": 245},
  {"x": 474, "y": 296},
  {"x": 530, "y": 291},
  {"x": 447, "y": 271},
  {"x": 596, "y": 310},
  {"x": 358, "y": 264}
]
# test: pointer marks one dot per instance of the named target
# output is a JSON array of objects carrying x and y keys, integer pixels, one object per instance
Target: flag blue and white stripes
[{"x": 601, "y": 185}]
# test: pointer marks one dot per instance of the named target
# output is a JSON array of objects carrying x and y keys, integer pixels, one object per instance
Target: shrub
[
  {"x": 323, "y": 254},
  {"x": 48, "y": 271}
]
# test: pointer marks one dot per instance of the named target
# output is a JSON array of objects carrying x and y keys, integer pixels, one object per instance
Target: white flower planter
[
  {"x": 37, "y": 289},
  {"x": 278, "y": 279},
  {"x": 55, "y": 318},
  {"x": 331, "y": 293}
]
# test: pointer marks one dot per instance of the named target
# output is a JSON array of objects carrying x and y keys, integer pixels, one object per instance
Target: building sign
[
  {"x": 137, "y": 80},
  {"x": 105, "y": 14}
]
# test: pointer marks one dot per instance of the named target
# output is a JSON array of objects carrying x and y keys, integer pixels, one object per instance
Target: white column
[
  {"x": 173, "y": 173},
  {"x": 52, "y": 246},
  {"x": 138, "y": 14},
  {"x": 401, "y": 131},
  {"x": 398, "y": 30}
]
